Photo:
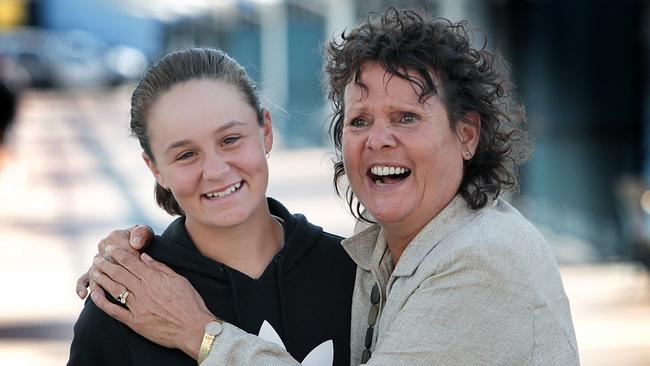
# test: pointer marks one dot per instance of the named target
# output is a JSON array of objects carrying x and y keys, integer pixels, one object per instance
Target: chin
[{"x": 387, "y": 214}]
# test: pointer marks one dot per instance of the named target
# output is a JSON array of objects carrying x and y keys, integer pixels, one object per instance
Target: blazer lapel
[{"x": 452, "y": 218}]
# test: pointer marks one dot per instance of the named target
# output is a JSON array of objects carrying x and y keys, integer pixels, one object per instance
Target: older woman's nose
[
  {"x": 380, "y": 137},
  {"x": 215, "y": 167}
]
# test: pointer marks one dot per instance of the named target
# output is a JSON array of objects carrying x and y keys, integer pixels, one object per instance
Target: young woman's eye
[
  {"x": 230, "y": 140},
  {"x": 186, "y": 155},
  {"x": 409, "y": 117}
]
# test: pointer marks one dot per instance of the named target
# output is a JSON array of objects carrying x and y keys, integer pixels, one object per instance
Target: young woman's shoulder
[{"x": 98, "y": 339}]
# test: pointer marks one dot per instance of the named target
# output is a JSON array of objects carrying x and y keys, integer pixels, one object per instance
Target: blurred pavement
[{"x": 73, "y": 174}]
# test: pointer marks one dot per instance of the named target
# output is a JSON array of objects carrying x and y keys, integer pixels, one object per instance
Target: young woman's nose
[
  {"x": 380, "y": 137},
  {"x": 215, "y": 166}
]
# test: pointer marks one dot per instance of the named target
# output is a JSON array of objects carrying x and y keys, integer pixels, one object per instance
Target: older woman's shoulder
[
  {"x": 500, "y": 236},
  {"x": 498, "y": 245},
  {"x": 501, "y": 224}
]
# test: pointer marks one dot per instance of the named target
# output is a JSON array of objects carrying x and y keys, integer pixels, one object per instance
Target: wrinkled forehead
[{"x": 373, "y": 77}]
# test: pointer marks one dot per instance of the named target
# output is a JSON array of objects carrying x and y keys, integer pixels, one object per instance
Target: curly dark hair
[{"x": 412, "y": 45}]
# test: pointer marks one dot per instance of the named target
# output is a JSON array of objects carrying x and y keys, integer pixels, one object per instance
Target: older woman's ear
[{"x": 469, "y": 132}]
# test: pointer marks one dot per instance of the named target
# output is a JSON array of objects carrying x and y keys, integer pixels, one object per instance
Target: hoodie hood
[{"x": 176, "y": 248}]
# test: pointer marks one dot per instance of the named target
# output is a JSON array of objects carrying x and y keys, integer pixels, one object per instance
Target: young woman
[{"x": 205, "y": 138}]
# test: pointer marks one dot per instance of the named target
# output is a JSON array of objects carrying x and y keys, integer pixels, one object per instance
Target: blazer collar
[
  {"x": 363, "y": 247},
  {"x": 367, "y": 246}
]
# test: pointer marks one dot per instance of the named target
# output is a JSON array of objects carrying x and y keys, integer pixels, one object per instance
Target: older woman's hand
[
  {"x": 136, "y": 237},
  {"x": 162, "y": 305}
]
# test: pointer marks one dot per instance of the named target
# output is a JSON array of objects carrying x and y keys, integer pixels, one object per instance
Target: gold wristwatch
[{"x": 212, "y": 329}]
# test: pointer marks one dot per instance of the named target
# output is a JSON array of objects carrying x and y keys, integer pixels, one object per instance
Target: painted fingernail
[
  {"x": 136, "y": 240},
  {"x": 146, "y": 257},
  {"x": 94, "y": 296},
  {"x": 96, "y": 275},
  {"x": 80, "y": 293},
  {"x": 109, "y": 248}
]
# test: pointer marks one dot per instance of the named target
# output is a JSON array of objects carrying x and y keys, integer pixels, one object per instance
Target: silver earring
[{"x": 268, "y": 154}]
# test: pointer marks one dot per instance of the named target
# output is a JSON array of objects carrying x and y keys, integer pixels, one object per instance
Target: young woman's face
[
  {"x": 210, "y": 151},
  {"x": 402, "y": 158}
]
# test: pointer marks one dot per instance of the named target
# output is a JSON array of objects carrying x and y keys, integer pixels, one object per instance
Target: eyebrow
[
  {"x": 222, "y": 128},
  {"x": 392, "y": 107}
]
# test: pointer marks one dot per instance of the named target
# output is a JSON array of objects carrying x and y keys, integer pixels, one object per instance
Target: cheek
[
  {"x": 445, "y": 166},
  {"x": 350, "y": 150},
  {"x": 182, "y": 179},
  {"x": 255, "y": 166},
  {"x": 257, "y": 160}
]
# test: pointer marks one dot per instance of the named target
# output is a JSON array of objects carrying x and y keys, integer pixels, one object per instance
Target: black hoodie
[{"x": 305, "y": 293}]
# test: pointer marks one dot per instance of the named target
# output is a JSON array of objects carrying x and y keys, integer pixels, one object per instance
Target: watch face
[{"x": 213, "y": 327}]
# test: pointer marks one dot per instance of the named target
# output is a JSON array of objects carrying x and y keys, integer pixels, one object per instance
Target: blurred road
[{"x": 73, "y": 174}]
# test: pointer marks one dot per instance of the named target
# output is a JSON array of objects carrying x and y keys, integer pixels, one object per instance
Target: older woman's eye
[
  {"x": 358, "y": 122},
  {"x": 409, "y": 117}
]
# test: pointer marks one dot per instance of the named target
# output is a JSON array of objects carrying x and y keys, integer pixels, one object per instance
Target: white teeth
[
  {"x": 225, "y": 192},
  {"x": 385, "y": 170}
]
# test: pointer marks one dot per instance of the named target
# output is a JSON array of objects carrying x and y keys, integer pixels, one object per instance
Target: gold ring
[{"x": 122, "y": 296}]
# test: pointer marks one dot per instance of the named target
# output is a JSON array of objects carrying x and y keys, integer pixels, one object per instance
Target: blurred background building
[{"x": 580, "y": 66}]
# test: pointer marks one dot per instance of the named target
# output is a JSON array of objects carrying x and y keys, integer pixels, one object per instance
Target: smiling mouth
[
  {"x": 383, "y": 175},
  {"x": 226, "y": 192}
]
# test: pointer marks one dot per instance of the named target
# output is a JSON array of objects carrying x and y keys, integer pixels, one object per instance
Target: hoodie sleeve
[
  {"x": 234, "y": 346},
  {"x": 98, "y": 340}
]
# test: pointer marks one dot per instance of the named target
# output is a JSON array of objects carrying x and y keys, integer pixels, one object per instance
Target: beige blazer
[{"x": 475, "y": 287}]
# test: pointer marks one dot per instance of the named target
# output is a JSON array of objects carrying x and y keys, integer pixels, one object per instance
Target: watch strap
[{"x": 212, "y": 329}]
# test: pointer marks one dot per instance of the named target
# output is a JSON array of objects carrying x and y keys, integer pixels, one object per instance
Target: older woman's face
[{"x": 403, "y": 160}]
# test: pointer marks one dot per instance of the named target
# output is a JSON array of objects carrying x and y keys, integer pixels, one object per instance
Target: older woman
[{"x": 448, "y": 273}]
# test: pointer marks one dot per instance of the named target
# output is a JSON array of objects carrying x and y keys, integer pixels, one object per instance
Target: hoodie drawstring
[
  {"x": 283, "y": 312},
  {"x": 233, "y": 289}
]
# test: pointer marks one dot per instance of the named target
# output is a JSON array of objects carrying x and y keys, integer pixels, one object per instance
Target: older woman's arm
[
  {"x": 164, "y": 308},
  {"x": 162, "y": 305},
  {"x": 479, "y": 308},
  {"x": 136, "y": 237}
]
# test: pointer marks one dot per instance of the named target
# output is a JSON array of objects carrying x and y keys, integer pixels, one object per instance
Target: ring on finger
[
  {"x": 122, "y": 296},
  {"x": 107, "y": 257}
]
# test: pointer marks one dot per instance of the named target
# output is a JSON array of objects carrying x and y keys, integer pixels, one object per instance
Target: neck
[
  {"x": 397, "y": 240},
  {"x": 248, "y": 247},
  {"x": 400, "y": 234}
]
